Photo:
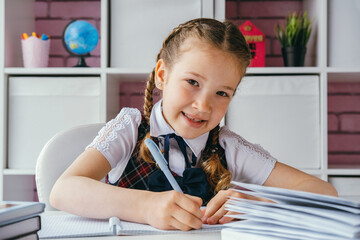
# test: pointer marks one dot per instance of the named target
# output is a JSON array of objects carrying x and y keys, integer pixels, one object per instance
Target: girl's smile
[
  {"x": 193, "y": 121},
  {"x": 197, "y": 88}
]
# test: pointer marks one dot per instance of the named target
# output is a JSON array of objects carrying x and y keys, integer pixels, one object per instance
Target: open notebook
[{"x": 68, "y": 225}]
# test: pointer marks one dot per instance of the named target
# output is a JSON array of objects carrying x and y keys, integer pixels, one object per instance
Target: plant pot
[{"x": 293, "y": 56}]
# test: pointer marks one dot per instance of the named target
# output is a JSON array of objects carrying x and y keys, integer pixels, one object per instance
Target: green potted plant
[{"x": 293, "y": 38}]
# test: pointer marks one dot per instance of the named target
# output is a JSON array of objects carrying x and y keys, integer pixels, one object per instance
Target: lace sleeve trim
[
  {"x": 244, "y": 144},
  {"x": 109, "y": 132}
]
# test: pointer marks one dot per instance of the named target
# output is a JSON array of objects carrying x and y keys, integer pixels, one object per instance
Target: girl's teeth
[{"x": 192, "y": 119}]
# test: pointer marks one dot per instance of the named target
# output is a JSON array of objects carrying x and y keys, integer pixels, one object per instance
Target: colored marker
[
  {"x": 24, "y": 36},
  {"x": 44, "y": 37}
]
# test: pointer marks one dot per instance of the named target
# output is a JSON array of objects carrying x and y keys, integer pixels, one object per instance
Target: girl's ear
[{"x": 160, "y": 71}]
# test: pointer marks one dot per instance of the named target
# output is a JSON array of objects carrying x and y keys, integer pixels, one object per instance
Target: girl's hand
[
  {"x": 174, "y": 210},
  {"x": 215, "y": 209}
]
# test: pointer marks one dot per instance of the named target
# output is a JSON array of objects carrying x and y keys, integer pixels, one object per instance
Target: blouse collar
[{"x": 158, "y": 127}]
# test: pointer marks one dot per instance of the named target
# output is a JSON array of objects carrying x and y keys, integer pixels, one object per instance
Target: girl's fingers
[
  {"x": 175, "y": 224},
  {"x": 226, "y": 219},
  {"x": 188, "y": 220},
  {"x": 214, "y": 205},
  {"x": 214, "y": 219},
  {"x": 203, "y": 211},
  {"x": 190, "y": 204},
  {"x": 195, "y": 199},
  {"x": 174, "y": 210}
]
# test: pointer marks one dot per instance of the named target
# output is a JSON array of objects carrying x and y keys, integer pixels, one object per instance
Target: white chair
[{"x": 58, "y": 153}]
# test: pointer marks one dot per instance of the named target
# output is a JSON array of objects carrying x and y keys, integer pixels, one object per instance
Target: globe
[{"x": 79, "y": 39}]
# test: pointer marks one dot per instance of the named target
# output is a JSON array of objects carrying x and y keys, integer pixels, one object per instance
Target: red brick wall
[
  {"x": 51, "y": 18},
  {"x": 344, "y": 123}
]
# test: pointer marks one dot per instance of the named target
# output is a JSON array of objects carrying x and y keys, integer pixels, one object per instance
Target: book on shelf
[
  {"x": 290, "y": 214},
  {"x": 23, "y": 229},
  {"x": 65, "y": 225}
]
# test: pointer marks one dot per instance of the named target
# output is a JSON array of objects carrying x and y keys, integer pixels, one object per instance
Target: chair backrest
[{"x": 58, "y": 153}]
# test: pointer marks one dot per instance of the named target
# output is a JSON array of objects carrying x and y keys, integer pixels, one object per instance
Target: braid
[
  {"x": 148, "y": 103},
  {"x": 218, "y": 176}
]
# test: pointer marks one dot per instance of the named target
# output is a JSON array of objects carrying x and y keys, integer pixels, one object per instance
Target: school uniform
[{"x": 119, "y": 143}]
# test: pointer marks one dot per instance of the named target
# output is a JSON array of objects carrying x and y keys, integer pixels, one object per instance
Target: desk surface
[
  {"x": 178, "y": 236},
  {"x": 197, "y": 236}
]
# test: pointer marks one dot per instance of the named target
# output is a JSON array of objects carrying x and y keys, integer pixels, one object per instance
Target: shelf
[
  {"x": 126, "y": 73},
  {"x": 19, "y": 171},
  {"x": 343, "y": 70},
  {"x": 143, "y": 71},
  {"x": 52, "y": 71},
  {"x": 283, "y": 70},
  {"x": 133, "y": 72},
  {"x": 129, "y": 71},
  {"x": 344, "y": 75},
  {"x": 344, "y": 169}
]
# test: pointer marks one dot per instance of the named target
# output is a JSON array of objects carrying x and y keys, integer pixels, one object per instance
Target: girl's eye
[
  {"x": 193, "y": 82},
  {"x": 223, "y": 94}
]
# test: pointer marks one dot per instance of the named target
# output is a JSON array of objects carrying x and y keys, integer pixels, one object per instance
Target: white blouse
[{"x": 246, "y": 162}]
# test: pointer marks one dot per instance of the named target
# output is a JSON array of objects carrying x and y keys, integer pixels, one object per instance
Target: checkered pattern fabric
[{"x": 137, "y": 170}]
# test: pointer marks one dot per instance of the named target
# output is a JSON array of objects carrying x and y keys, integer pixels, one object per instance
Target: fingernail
[{"x": 204, "y": 219}]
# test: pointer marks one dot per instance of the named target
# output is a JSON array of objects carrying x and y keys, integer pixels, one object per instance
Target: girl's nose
[{"x": 202, "y": 103}]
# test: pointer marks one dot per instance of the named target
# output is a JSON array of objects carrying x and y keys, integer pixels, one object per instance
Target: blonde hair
[{"x": 225, "y": 36}]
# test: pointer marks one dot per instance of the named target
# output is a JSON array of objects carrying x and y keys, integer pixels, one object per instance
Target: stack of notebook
[
  {"x": 291, "y": 215},
  {"x": 20, "y": 220}
]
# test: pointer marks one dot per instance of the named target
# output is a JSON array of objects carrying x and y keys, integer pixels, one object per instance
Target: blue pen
[{"x": 160, "y": 160}]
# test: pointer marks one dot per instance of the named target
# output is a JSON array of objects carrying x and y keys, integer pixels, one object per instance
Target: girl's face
[{"x": 198, "y": 88}]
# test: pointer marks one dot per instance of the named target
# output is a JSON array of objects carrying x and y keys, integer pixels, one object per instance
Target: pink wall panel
[
  {"x": 132, "y": 95},
  {"x": 344, "y": 123}
]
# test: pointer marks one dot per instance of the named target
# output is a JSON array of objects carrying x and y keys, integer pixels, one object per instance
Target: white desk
[
  {"x": 197, "y": 236},
  {"x": 180, "y": 236}
]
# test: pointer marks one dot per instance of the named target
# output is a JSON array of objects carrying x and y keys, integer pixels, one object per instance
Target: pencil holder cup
[{"x": 35, "y": 52}]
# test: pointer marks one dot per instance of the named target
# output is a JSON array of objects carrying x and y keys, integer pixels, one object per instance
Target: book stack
[
  {"x": 20, "y": 220},
  {"x": 290, "y": 215}
]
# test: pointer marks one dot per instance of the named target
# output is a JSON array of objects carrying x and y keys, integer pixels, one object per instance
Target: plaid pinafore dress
[{"x": 139, "y": 174}]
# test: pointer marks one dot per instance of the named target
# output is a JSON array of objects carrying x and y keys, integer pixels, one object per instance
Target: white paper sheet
[
  {"x": 305, "y": 215},
  {"x": 68, "y": 225}
]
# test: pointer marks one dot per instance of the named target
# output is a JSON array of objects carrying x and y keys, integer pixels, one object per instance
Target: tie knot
[{"x": 182, "y": 145}]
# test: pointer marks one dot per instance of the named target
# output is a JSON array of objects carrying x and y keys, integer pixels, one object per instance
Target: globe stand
[{"x": 81, "y": 62}]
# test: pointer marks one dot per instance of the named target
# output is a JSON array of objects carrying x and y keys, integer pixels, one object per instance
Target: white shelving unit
[{"x": 18, "y": 184}]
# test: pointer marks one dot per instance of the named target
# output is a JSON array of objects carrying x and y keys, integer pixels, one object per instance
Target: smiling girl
[{"x": 198, "y": 69}]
